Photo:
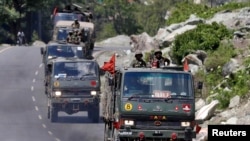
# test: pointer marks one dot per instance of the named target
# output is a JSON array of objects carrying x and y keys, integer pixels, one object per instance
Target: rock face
[{"x": 142, "y": 43}]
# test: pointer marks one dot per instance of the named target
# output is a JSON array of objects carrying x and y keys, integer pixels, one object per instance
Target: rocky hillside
[{"x": 207, "y": 110}]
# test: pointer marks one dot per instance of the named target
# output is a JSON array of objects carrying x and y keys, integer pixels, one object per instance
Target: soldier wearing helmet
[
  {"x": 138, "y": 62},
  {"x": 75, "y": 24},
  {"x": 158, "y": 60},
  {"x": 70, "y": 37}
]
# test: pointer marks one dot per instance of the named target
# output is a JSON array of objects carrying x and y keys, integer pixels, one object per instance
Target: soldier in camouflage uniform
[
  {"x": 138, "y": 62},
  {"x": 158, "y": 60},
  {"x": 70, "y": 37},
  {"x": 76, "y": 24}
]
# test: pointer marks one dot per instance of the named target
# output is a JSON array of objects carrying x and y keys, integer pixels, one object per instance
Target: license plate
[
  {"x": 157, "y": 132},
  {"x": 75, "y": 99}
]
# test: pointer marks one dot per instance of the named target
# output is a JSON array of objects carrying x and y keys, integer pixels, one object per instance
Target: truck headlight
[
  {"x": 58, "y": 93},
  {"x": 93, "y": 93},
  {"x": 129, "y": 122},
  {"x": 185, "y": 124}
]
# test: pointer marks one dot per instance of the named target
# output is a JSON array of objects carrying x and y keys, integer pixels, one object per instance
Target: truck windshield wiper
[
  {"x": 180, "y": 96},
  {"x": 134, "y": 96},
  {"x": 82, "y": 77},
  {"x": 87, "y": 74}
]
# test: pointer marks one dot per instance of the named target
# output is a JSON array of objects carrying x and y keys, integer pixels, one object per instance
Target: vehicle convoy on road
[
  {"x": 63, "y": 24},
  {"x": 73, "y": 86},
  {"x": 149, "y": 104},
  {"x": 86, "y": 30}
]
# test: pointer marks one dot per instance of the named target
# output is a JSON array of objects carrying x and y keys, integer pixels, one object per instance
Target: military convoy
[
  {"x": 145, "y": 104},
  {"x": 62, "y": 26},
  {"x": 71, "y": 78},
  {"x": 138, "y": 104},
  {"x": 87, "y": 37}
]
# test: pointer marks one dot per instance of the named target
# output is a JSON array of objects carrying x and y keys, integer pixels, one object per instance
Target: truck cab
[
  {"x": 149, "y": 104},
  {"x": 73, "y": 86}
]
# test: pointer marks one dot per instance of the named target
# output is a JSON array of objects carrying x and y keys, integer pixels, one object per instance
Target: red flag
[
  {"x": 109, "y": 66},
  {"x": 55, "y": 11},
  {"x": 185, "y": 65}
]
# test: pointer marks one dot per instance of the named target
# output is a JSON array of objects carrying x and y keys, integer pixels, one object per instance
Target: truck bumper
[
  {"x": 73, "y": 105},
  {"x": 187, "y": 134}
]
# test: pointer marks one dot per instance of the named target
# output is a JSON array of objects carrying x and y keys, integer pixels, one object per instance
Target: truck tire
[
  {"x": 54, "y": 115},
  {"x": 95, "y": 114}
]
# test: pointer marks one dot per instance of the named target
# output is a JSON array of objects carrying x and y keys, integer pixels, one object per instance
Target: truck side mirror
[
  {"x": 111, "y": 81},
  {"x": 42, "y": 50},
  {"x": 199, "y": 85}
]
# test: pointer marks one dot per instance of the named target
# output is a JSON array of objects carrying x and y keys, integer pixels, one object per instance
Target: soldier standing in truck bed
[
  {"x": 70, "y": 37},
  {"x": 138, "y": 62},
  {"x": 158, "y": 60},
  {"x": 76, "y": 24}
]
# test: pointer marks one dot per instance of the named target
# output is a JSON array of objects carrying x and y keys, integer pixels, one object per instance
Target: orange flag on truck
[
  {"x": 109, "y": 66},
  {"x": 185, "y": 65}
]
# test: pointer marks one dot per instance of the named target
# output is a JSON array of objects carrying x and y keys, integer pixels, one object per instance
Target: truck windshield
[
  {"x": 76, "y": 69},
  {"x": 69, "y": 17},
  {"x": 62, "y": 34},
  {"x": 64, "y": 51},
  {"x": 157, "y": 85}
]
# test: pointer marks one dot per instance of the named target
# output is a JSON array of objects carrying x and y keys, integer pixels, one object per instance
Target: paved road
[{"x": 23, "y": 106}]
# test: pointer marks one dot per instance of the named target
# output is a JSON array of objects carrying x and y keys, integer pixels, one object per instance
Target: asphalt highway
[{"x": 23, "y": 104}]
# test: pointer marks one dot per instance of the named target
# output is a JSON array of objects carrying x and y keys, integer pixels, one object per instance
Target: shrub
[
  {"x": 205, "y": 37},
  {"x": 34, "y": 36},
  {"x": 220, "y": 56}
]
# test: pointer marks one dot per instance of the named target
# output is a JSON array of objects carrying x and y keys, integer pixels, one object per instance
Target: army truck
[
  {"x": 62, "y": 29},
  {"x": 54, "y": 50},
  {"x": 73, "y": 86},
  {"x": 145, "y": 104},
  {"x": 70, "y": 13}
]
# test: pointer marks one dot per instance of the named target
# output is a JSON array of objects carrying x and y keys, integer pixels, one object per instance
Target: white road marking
[
  {"x": 32, "y": 88},
  {"x": 40, "y": 65},
  {"x": 4, "y": 49},
  {"x": 33, "y": 98},
  {"x": 36, "y": 108},
  {"x": 40, "y": 117},
  {"x": 57, "y": 139},
  {"x": 34, "y": 80},
  {"x": 36, "y": 73},
  {"x": 44, "y": 126},
  {"x": 50, "y": 132}
]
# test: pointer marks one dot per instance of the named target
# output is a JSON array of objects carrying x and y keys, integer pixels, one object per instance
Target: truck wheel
[
  {"x": 95, "y": 114},
  {"x": 54, "y": 115},
  {"x": 48, "y": 112},
  {"x": 106, "y": 132},
  {"x": 90, "y": 114}
]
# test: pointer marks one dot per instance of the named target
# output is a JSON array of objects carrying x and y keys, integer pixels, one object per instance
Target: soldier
[
  {"x": 70, "y": 37},
  {"x": 76, "y": 24},
  {"x": 75, "y": 36},
  {"x": 78, "y": 37},
  {"x": 158, "y": 60},
  {"x": 138, "y": 62}
]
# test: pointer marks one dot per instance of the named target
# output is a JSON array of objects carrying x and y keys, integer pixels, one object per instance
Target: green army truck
[
  {"x": 54, "y": 50},
  {"x": 144, "y": 104},
  {"x": 73, "y": 86}
]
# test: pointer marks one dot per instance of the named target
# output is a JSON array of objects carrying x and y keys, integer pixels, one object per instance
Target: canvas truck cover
[{"x": 67, "y": 24}]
